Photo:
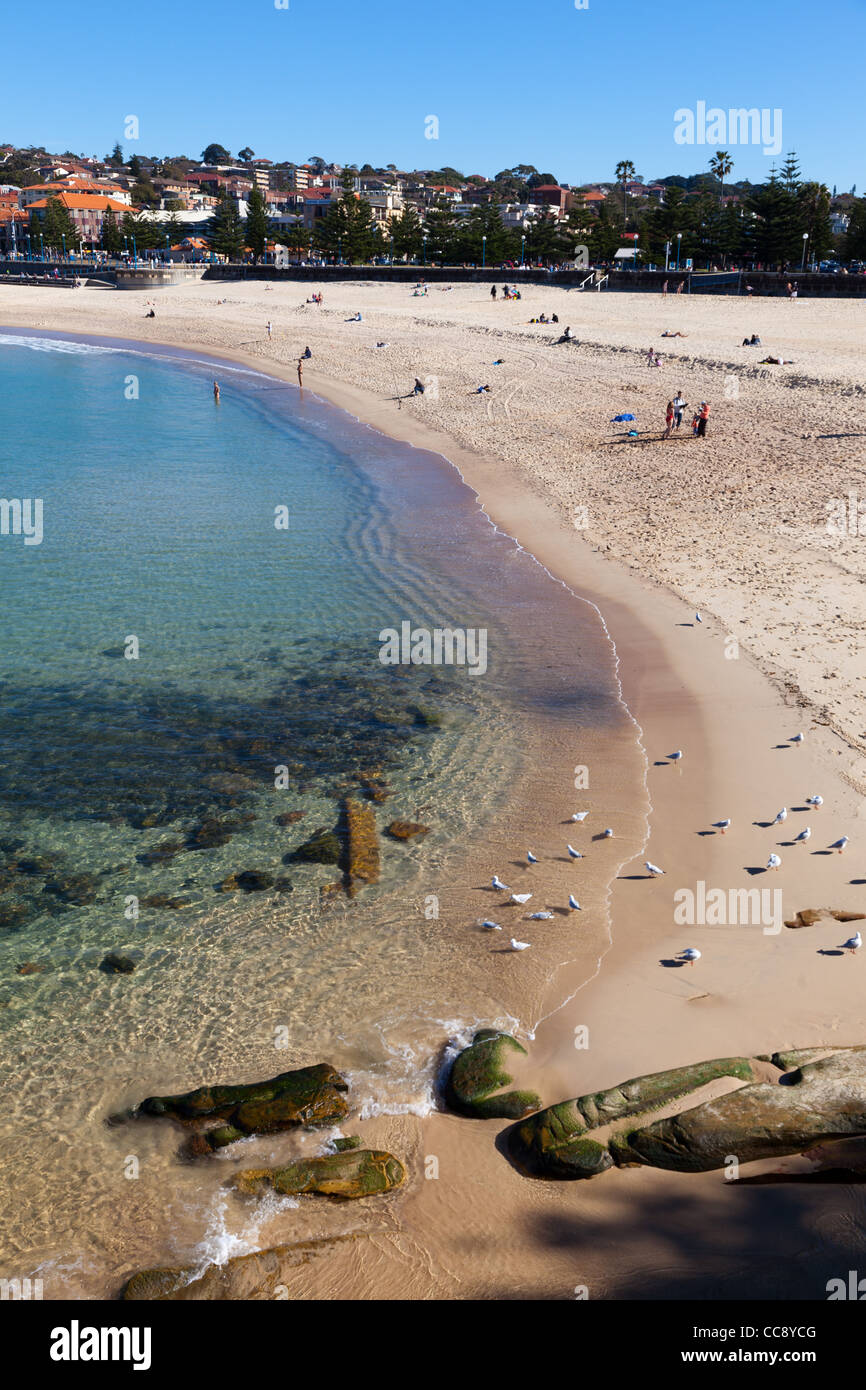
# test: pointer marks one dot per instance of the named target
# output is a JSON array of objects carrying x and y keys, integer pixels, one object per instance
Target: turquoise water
[{"x": 150, "y": 780}]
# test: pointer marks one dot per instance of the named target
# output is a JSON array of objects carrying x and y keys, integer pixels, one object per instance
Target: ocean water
[{"x": 132, "y": 786}]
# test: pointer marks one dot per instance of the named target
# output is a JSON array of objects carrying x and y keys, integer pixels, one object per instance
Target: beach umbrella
[{"x": 618, "y": 419}]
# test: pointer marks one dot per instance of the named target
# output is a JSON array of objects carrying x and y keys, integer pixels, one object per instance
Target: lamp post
[
  {"x": 667, "y": 254},
  {"x": 636, "y": 251},
  {"x": 424, "y": 240},
  {"x": 392, "y": 249},
  {"x": 340, "y": 249},
  {"x": 134, "y": 255},
  {"x": 167, "y": 247},
  {"x": 522, "y": 250},
  {"x": 679, "y": 242},
  {"x": 805, "y": 243},
  {"x": 63, "y": 239},
  {"x": 483, "y": 252}
]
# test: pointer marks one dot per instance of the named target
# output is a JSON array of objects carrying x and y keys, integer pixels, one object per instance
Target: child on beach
[{"x": 669, "y": 420}]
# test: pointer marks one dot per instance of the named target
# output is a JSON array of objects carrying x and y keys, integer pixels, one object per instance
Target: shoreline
[{"x": 677, "y": 698}]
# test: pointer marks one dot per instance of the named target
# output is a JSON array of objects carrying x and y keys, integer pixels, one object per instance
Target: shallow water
[{"x": 126, "y": 779}]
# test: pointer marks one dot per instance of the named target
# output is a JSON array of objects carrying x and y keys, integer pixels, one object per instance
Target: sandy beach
[{"x": 650, "y": 531}]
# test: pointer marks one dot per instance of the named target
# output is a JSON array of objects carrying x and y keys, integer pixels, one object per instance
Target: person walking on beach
[
  {"x": 703, "y": 417},
  {"x": 216, "y": 392},
  {"x": 679, "y": 405},
  {"x": 269, "y": 328},
  {"x": 665, "y": 290},
  {"x": 680, "y": 286},
  {"x": 300, "y": 371},
  {"x": 669, "y": 420},
  {"x": 492, "y": 291}
]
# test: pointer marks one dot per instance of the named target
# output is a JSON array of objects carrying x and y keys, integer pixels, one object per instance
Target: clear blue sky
[{"x": 569, "y": 90}]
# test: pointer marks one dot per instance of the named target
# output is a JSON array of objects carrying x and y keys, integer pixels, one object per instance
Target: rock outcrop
[
  {"x": 478, "y": 1073},
  {"x": 307, "y": 1096},
  {"x": 258, "y": 1276},
  {"x": 348, "y": 1174}
]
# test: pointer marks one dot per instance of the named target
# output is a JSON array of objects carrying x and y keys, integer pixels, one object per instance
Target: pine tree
[
  {"x": 258, "y": 227},
  {"x": 225, "y": 230},
  {"x": 56, "y": 224},
  {"x": 407, "y": 233},
  {"x": 110, "y": 238}
]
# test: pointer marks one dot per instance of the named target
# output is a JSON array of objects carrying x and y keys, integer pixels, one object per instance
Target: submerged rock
[
  {"x": 478, "y": 1071},
  {"x": 31, "y": 967},
  {"x": 406, "y": 829},
  {"x": 164, "y": 900},
  {"x": 349, "y": 1141},
  {"x": 289, "y": 817},
  {"x": 307, "y": 1096},
  {"x": 323, "y": 847},
  {"x": 350, "y": 1174},
  {"x": 76, "y": 889},
  {"x": 161, "y": 854},
  {"x": 258, "y": 1276},
  {"x": 362, "y": 844},
  {"x": 248, "y": 881},
  {"x": 115, "y": 964}
]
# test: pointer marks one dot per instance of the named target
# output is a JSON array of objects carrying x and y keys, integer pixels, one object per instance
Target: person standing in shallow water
[
  {"x": 300, "y": 371},
  {"x": 216, "y": 392}
]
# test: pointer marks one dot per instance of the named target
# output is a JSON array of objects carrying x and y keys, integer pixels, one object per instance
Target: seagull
[
  {"x": 798, "y": 738},
  {"x": 839, "y": 845},
  {"x": 783, "y": 815},
  {"x": 539, "y": 916},
  {"x": 690, "y": 954},
  {"x": 575, "y": 853},
  {"x": 774, "y": 862},
  {"x": 496, "y": 882},
  {"x": 675, "y": 757},
  {"x": 520, "y": 945},
  {"x": 803, "y": 836},
  {"x": 608, "y": 834},
  {"x": 698, "y": 618},
  {"x": 853, "y": 943},
  {"x": 491, "y": 926},
  {"x": 573, "y": 903},
  {"x": 530, "y": 857},
  {"x": 653, "y": 869},
  {"x": 722, "y": 825},
  {"x": 815, "y": 801},
  {"x": 520, "y": 898},
  {"x": 580, "y": 815}
]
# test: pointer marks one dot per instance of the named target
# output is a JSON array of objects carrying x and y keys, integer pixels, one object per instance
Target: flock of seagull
[{"x": 690, "y": 954}]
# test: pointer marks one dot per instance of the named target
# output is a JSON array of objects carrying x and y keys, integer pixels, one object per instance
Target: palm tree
[
  {"x": 721, "y": 165},
  {"x": 624, "y": 172}
]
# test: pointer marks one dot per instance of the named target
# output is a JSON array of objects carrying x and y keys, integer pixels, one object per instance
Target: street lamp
[
  {"x": 483, "y": 251},
  {"x": 636, "y": 252},
  {"x": 679, "y": 240},
  {"x": 805, "y": 241},
  {"x": 424, "y": 239},
  {"x": 392, "y": 248},
  {"x": 63, "y": 239},
  {"x": 522, "y": 250}
]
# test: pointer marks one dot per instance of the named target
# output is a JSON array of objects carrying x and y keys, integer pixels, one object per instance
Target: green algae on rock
[
  {"x": 479, "y": 1071},
  {"x": 348, "y": 1175},
  {"x": 307, "y": 1096}
]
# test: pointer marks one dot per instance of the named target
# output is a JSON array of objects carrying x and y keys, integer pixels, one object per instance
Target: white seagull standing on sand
[
  {"x": 853, "y": 943},
  {"x": 520, "y": 898},
  {"x": 580, "y": 815},
  {"x": 722, "y": 825},
  {"x": 653, "y": 869},
  {"x": 574, "y": 904},
  {"x": 520, "y": 945},
  {"x": 607, "y": 835},
  {"x": 690, "y": 954},
  {"x": 574, "y": 853},
  {"x": 496, "y": 882},
  {"x": 530, "y": 857},
  {"x": 798, "y": 738},
  {"x": 815, "y": 801},
  {"x": 803, "y": 836},
  {"x": 491, "y": 926},
  {"x": 539, "y": 916},
  {"x": 839, "y": 845},
  {"x": 783, "y": 815},
  {"x": 698, "y": 618},
  {"x": 675, "y": 757},
  {"x": 774, "y": 862}
]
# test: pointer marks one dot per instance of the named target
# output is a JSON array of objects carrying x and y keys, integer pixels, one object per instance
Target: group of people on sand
[
  {"x": 508, "y": 292},
  {"x": 316, "y": 299},
  {"x": 679, "y": 289},
  {"x": 674, "y": 417},
  {"x": 542, "y": 318}
]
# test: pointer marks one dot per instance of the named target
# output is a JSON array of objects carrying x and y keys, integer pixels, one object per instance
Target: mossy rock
[
  {"x": 323, "y": 847},
  {"x": 77, "y": 889},
  {"x": 347, "y": 1175},
  {"x": 478, "y": 1071},
  {"x": 165, "y": 900},
  {"x": 116, "y": 964},
  {"x": 406, "y": 829},
  {"x": 349, "y": 1141},
  {"x": 289, "y": 817},
  {"x": 307, "y": 1096}
]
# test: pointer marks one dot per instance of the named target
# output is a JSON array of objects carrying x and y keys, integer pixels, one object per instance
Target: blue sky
[{"x": 569, "y": 90}]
